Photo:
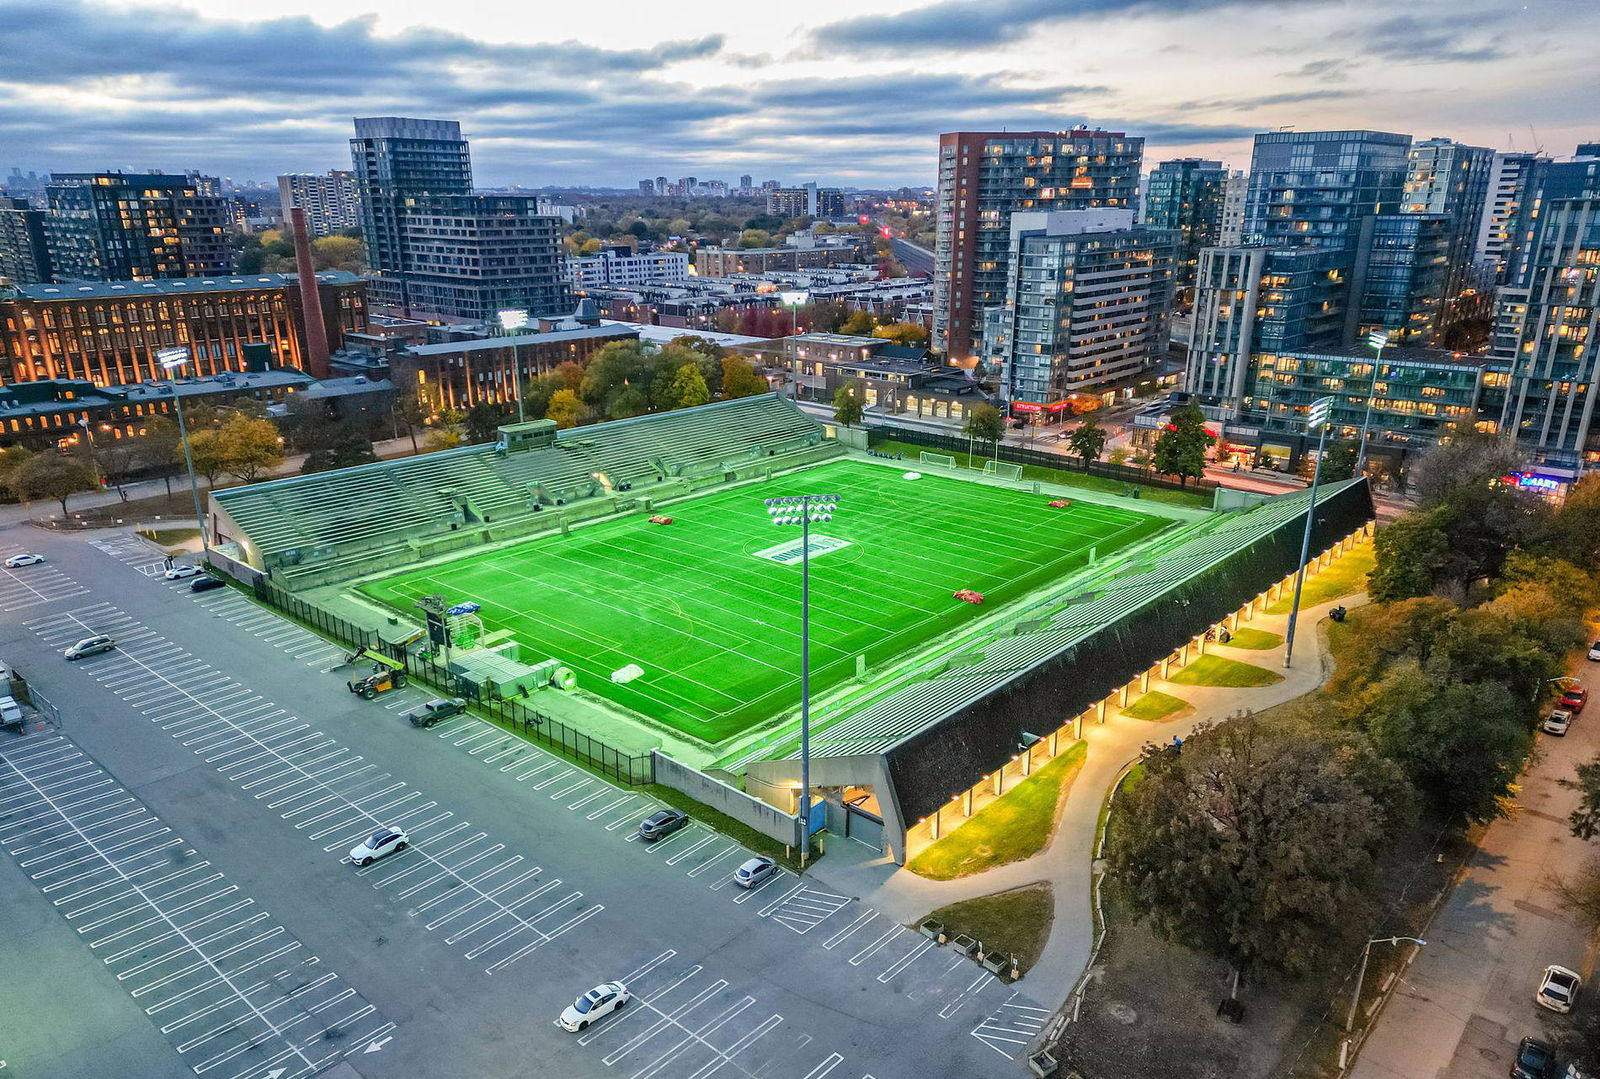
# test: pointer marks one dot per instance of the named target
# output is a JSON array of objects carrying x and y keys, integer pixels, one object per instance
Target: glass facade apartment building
[
  {"x": 986, "y": 175},
  {"x": 112, "y": 226},
  {"x": 1186, "y": 194},
  {"x": 1402, "y": 276},
  {"x": 437, "y": 249},
  {"x": 1312, "y": 188},
  {"x": 1088, "y": 298}
]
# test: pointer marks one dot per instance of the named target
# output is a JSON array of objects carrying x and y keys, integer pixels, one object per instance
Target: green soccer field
[{"x": 715, "y": 624}]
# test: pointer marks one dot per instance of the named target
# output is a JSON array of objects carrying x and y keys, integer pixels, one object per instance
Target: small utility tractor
[{"x": 381, "y": 680}]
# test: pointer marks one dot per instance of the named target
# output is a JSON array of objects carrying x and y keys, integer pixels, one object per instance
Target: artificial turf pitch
[{"x": 717, "y": 628}]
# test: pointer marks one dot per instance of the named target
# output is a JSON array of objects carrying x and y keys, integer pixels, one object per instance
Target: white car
[
  {"x": 1558, "y": 989},
  {"x": 755, "y": 872},
  {"x": 178, "y": 573},
  {"x": 382, "y": 842},
  {"x": 89, "y": 646},
  {"x": 600, "y": 1001},
  {"x": 1594, "y": 650},
  {"x": 1557, "y": 722},
  {"x": 17, "y": 561}
]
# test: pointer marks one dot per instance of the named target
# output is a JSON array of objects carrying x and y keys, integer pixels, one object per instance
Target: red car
[{"x": 1574, "y": 699}]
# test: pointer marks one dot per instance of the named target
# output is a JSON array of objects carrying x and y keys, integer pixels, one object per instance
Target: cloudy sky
[{"x": 846, "y": 91}]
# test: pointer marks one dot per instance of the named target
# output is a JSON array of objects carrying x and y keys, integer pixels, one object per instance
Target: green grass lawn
[
  {"x": 715, "y": 624},
  {"x": 1065, "y": 476},
  {"x": 1155, "y": 705},
  {"x": 1346, "y": 577},
  {"x": 1215, "y": 670},
  {"x": 1016, "y": 921},
  {"x": 1015, "y": 826},
  {"x": 1258, "y": 639}
]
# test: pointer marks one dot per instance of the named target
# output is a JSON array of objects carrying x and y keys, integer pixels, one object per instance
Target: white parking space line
[
  {"x": 226, "y": 984},
  {"x": 29, "y": 586},
  {"x": 1009, "y": 1028},
  {"x": 334, "y": 796}
]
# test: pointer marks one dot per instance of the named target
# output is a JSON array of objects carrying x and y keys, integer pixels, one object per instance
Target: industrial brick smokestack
[{"x": 316, "y": 357}]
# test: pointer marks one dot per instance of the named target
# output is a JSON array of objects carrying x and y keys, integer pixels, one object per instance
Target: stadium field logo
[{"x": 789, "y": 553}]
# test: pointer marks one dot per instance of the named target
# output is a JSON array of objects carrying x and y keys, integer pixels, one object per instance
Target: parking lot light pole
[
  {"x": 1377, "y": 339},
  {"x": 802, "y": 510},
  {"x": 171, "y": 359},
  {"x": 1321, "y": 410},
  {"x": 1355, "y": 1001}
]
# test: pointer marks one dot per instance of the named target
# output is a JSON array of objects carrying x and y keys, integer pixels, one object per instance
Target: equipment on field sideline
[
  {"x": 660, "y": 519},
  {"x": 1061, "y": 503},
  {"x": 380, "y": 681},
  {"x": 967, "y": 595}
]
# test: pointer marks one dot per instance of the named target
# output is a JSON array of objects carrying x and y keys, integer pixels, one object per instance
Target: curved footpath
[{"x": 1066, "y": 864}]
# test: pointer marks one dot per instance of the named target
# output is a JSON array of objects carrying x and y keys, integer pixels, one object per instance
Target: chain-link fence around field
[{"x": 633, "y": 769}]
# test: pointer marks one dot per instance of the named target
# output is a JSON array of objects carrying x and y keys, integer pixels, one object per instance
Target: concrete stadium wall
[{"x": 766, "y": 819}]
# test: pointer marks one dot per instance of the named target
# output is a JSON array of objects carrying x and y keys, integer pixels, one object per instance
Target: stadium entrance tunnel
[{"x": 936, "y": 751}]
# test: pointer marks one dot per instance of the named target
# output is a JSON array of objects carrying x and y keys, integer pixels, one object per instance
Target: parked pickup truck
[{"x": 435, "y": 710}]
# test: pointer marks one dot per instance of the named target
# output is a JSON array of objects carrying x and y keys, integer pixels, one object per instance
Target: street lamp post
[
  {"x": 171, "y": 359},
  {"x": 1377, "y": 339},
  {"x": 1355, "y": 1001},
  {"x": 1318, "y": 417},
  {"x": 802, "y": 510}
]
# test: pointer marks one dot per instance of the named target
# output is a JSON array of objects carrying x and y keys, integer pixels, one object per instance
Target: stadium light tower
[
  {"x": 1319, "y": 417},
  {"x": 171, "y": 359},
  {"x": 802, "y": 510},
  {"x": 1377, "y": 339}
]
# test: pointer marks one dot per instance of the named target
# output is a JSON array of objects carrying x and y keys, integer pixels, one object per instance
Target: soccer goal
[
  {"x": 941, "y": 460},
  {"x": 1002, "y": 469}
]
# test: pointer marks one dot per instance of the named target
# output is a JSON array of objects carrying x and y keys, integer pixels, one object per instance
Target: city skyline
[{"x": 854, "y": 94}]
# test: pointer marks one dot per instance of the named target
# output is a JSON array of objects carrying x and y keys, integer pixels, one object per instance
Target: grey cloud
[{"x": 965, "y": 24}]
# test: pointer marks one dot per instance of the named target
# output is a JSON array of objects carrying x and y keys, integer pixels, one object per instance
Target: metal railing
[
  {"x": 1022, "y": 455},
  {"x": 633, "y": 769}
]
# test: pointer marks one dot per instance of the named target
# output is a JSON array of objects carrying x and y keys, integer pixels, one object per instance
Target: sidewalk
[
  {"x": 12, "y": 514},
  {"x": 1065, "y": 864}
]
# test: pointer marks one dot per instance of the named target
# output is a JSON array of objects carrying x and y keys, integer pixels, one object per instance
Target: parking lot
[
  {"x": 236, "y": 993},
  {"x": 524, "y": 873}
]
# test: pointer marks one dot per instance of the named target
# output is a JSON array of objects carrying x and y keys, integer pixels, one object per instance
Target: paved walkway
[
  {"x": 1467, "y": 999},
  {"x": 855, "y": 870}
]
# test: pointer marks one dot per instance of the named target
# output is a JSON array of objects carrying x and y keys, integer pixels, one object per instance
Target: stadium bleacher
[{"x": 306, "y": 527}]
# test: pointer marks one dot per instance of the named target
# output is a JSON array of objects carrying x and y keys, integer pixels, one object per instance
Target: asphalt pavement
[{"x": 209, "y": 776}]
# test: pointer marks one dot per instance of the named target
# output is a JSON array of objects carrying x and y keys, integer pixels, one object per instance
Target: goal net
[
  {"x": 941, "y": 460},
  {"x": 1003, "y": 469}
]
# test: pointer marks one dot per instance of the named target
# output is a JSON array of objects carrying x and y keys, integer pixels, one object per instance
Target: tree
[
  {"x": 1585, "y": 820},
  {"x": 689, "y": 387},
  {"x": 1180, "y": 450},
  {"x": 739, "y": 379},
  {"x": 1339, "y": 462},
  {"x": 11, "y": 459},
  {"x": 1461, "y": 743},
  {"x": 985, "y": 424},
  {"x": 338, "y": 445},
  {"x": 627, "y": 402},
  {"x": 1572, "y": 531},
  {"x": 612, "y": 367},
  {"x": 339, "y": 252},
  {"x": 208, "y": 453},
  {"x": 483, "y": 422},
  {"x": 754, "y": 238},
  {"x": 247, "y": 448},
  {"x": 1087, "y": 440},
  {"x": 1412, "y": 553},
  {"x": 1253, "y": 842},
  {"x": 847, "y": 406},
  {"x": 910, "y": 334},
  {"x": 408, "y": 412},
  {"x": 446, "y": 433},
  {"x": 50, "y": 475},
  {"x": 565, "y": 409},
  {"x": 859, "y": 324}
]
